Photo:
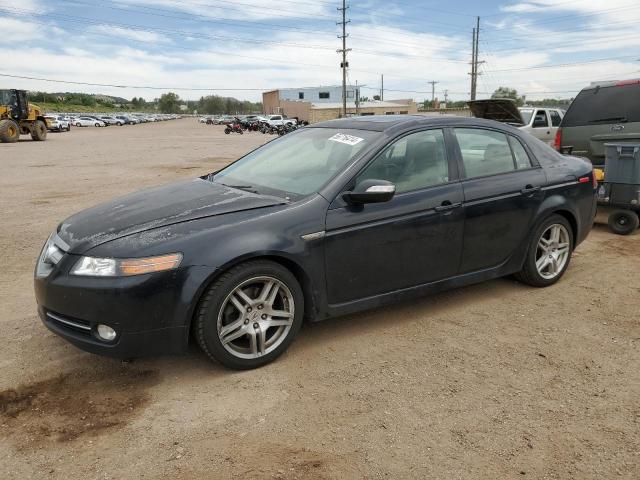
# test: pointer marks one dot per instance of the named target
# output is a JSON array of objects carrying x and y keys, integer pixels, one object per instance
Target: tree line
[{"x": 166, "y": 103}]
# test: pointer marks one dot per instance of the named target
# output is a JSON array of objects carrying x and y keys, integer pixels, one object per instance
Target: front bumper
[
  {"x": 150, "y": 313},
  {"x": 144, "y": 343}
]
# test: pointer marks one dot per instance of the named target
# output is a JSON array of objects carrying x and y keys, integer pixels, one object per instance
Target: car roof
[
  {"x": 612, "y": 83},
  {"x": 383, "y": 123}
]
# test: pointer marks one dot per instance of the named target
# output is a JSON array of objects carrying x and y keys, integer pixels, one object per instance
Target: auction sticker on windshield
[{"x": 344, "y": 138}]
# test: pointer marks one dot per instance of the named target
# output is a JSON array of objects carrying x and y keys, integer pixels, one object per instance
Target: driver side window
[
  {"x": 540, "y": 120},
  {"x": 416, "y": 161}
]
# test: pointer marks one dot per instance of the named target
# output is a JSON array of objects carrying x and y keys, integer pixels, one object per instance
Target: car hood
[
  {"x": 154, "y": 208},
  {"x": 502, "y": 110}
]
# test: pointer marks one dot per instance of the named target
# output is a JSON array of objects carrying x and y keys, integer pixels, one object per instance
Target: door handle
[
  {"x": 447, "y": 205},
  {"x": 529, "y": 190}
]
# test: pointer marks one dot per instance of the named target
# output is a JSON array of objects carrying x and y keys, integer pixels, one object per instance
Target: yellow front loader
[{"x": 18, "y": 116}]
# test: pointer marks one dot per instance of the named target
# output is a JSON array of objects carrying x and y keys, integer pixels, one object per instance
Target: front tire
[
  {"x": 549, "y": 253},
  {"x": 39, "y": 131},
  {"x": 9, "y": 131},
  {"x": 623, "y": 222},
  {"x": 250, "y": 315}
]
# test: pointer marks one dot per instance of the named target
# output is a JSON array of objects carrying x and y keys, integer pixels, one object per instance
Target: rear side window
[
  {"x": 484, "y": 152},
  {"x": 519, "y": 154},
  {"x": 616, "y": 104},
  {"x": 555, "y": 118}
]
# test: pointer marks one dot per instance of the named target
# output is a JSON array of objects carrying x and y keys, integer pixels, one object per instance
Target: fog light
[{"x": 106, "y": 333}]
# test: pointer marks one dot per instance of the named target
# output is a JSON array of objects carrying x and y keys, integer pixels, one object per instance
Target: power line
[
  {"x": 561, "y": 65},
  {"x": 166, "y": 31},
  {"x": 97, "y": 22},
  {"x": 197, "y": 17},
  {"x": 145, "y": 87},
  {"x": 271, "y": 60}
]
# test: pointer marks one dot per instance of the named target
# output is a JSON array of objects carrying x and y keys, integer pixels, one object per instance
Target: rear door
[
  {"x": 502, "y": 190},
  {"x": 602, "y": 115}
]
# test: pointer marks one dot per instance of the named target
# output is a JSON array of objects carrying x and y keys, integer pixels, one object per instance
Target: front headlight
[
  {"x": 49, "y": 257},
  {"x": 124, "y": 267}
]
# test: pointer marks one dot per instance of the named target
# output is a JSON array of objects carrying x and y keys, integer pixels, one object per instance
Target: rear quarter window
[{"x": 613, "y": 104}]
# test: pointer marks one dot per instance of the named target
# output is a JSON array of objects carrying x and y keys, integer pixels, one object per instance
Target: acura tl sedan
[{"x": 334, "y": 218}]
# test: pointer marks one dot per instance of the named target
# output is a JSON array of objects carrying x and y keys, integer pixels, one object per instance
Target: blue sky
[{"x": 544, "y": 48}]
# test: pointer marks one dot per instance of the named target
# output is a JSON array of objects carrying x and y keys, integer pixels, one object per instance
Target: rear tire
[
  {"x": 39, "y": 131},
  {"x": 9, "y": 131},
  {"x": 623, "y": 222},
  {"x": 257, "y": 321},
  {"x": 549, "y": 253}
]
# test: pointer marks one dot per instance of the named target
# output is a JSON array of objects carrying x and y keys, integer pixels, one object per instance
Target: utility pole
[
  {"x": 433, "y": 92},
  {"x": 344, "y": 51},
  {"x": 357, "y": 98},
  {"x": 473, "y": 65},
  {"x": 474, "y": 59},
  {"x": 381, "y": 88},
  {"x": 446, "y": 96}
]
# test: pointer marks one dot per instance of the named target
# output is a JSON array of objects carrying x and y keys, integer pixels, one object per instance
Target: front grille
[{"x": 77, "y": 325}]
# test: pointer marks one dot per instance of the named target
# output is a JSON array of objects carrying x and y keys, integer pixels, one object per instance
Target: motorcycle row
[{"x": 240, "y": 126}]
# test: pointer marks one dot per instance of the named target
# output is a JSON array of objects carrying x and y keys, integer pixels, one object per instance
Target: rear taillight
[{"x": 557, "y": 142}]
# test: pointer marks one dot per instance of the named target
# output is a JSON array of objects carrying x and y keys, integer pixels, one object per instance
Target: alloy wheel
[
  {"x": 553, "y": 251},
  {"x": 256, "y": 317}
]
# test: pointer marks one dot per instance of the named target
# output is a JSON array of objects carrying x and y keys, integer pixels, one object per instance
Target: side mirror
[{"x": 370, "y": 191}]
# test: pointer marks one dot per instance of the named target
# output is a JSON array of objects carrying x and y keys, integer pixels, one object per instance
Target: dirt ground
[{"x": 493, "y": 381}]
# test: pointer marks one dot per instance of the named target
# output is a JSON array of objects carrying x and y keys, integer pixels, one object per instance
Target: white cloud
[
  {"x": 121, "y": 56},
  {"x": 249, "y": 10},
  {"x": 29, "y": 5},
  {"x": 138, "y": 35}
]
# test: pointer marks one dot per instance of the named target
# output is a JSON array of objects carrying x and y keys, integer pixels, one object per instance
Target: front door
[
  {"x": 413, "y": 239},
  {"x": 502, "y": 191},
  {"x": 541, "y": 126}
]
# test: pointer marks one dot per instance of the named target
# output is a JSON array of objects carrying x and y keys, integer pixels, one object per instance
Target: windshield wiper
[
  {"x": 610, "y": 119},
  {"x": 246, "y": 188}
]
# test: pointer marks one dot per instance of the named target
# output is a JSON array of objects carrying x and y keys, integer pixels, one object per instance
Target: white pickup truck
[
  {"x": 278, "y": 120},
  {"x": 541, "y": 122}
]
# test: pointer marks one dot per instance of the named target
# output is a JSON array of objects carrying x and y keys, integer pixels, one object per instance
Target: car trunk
[
  {"x": 502, "y": 110},
  {"x": 602, "y": 115}
]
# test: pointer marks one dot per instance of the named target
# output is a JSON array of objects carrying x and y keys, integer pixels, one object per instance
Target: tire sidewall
[
  {"x": 530, "y": 262},
  {"x": 632, "y": 225},
  {"x": 207, "y": 313}
]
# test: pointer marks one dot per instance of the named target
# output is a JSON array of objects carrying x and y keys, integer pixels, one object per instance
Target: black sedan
[{"x": 335, "y": 218}]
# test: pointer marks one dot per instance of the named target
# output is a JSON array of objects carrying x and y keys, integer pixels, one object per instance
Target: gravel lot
[{"x": 492, "y": 381}]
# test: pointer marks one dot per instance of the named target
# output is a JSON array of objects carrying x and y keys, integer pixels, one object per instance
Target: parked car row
[
  {"x": 273, "y": 120},
  {"x": 63, "y": 122}
]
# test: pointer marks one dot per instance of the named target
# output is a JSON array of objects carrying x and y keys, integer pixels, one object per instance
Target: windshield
[
  {"x": 299, "y": 163},
  {"x": 526, "y": 114}
]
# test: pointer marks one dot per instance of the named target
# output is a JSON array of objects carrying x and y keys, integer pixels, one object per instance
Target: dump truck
[{"x": 18, "y": 116}]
